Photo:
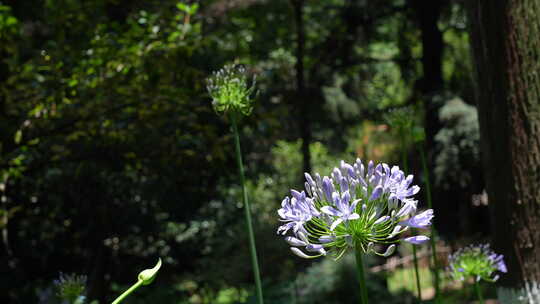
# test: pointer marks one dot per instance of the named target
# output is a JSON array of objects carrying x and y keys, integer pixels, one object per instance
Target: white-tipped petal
[
  {"x": 335, "y": 224},
  {"x": 301, "y": 254},
  {"x": 390, "y": 250},
  {"x": 381, "y": 220},
  {"x": 303, "y": 237}
]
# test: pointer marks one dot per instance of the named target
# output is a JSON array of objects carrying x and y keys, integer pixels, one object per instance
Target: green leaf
[
  {"x": 183, "y": 7},
  {"x": 193, "y": 9},
  {"x": 18, "y": 136},
  {"x": 418, "y": 134}
]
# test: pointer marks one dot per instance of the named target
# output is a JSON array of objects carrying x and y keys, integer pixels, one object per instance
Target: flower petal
[
  {"x": 376, "y": 193},
  {"x": 381, "y": 220},
  {"x": 330, "y": 211},
  {"x": 353, "y": 216},
  {"x": 422, "y": 220},
  {"x": 301, "y": 254},
  {"x": 335, "y": 223},
  {"x": 390, "y": 250},
  {"x": 417, "y": 239},
  {"x": 294, "y": 241}
]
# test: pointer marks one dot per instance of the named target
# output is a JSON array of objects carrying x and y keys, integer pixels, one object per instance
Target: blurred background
[{"x": 112, "y": 156}]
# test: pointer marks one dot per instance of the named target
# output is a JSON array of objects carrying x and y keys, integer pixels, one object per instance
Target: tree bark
[{"x": 505, "y": 38}]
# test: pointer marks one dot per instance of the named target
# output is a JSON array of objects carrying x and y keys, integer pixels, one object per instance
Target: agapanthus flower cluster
[
  {"x": 230, "y": 90},
  {"x": 71, "y": 287},
  {"x": 476, "y": 261},
  {"x": 357, "y": 206}
]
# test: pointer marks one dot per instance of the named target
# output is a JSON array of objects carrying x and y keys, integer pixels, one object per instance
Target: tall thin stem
[
  {"x": 361, "y": 275},
  {"x": 417, "y": 275},
  {"x": 128, "y": 292},
  {"x": 478, "y": 292},
  {"x": 415, "y": 256},
  {"x": 247, "y": 210},
  {"x": 433, "y": 231}
]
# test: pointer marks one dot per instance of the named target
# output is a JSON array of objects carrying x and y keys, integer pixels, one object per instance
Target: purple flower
[
  {"x": 409, "y": 207},
  {"x": 377, "y": 192},
  {"x": 325, "y": 216},
  {"x": 417, "y": 239},
  {"x": 422, "y": 220},
  {"x": 304, "y": 241},
  {"x": 343, "y": 210},
  {"x": 295, "y": 212},
  {"x": 299, "y": 253},
  {"x": 497, "y": 260},
  {"x": 295, "y": 242},
  {"x": 328, "y": 188},
  {"x": 476, "y": 261}
]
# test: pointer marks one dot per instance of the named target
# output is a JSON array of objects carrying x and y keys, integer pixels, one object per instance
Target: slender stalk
[
  {"x": 415, "y": 256},
  {"x": 478, "y": 292},
  {"x": 435, "y": 263},
  {"x": 361, "y": 275},
  {"x": 127, "y": 292},
  {"x": 247, "y": 210},
  {"x": 417, "y": 275}
]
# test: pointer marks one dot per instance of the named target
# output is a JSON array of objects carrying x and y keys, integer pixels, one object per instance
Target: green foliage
[
  {"x": 459, "y": 144},
  {"x": 110, "y": 146},
  {"x": 331, "y": 282}
]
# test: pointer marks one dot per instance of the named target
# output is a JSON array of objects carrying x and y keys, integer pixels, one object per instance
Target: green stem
[
  {"x": 478, "y": 292},
  {"x": 247, "y": 209},
  {"x": 127, "y": 292},
  {"x": 415, "y": 257},
  {"x": 435, "y": 263},
  {"x": 361, "y": 275},
  {"x": 416, "y": 273}
]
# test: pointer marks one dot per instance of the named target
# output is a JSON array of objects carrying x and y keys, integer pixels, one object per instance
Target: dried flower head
[
  {"x": 230, "y": 90},
  {"x": 356, "y": 206},
  {"x": 476, "y": 261}
]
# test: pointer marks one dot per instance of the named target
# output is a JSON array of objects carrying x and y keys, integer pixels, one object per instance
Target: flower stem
[
  {"x": 252, "y": 248},
  {"x": 478, "y": 292},
  {"x": 361, "y": 275},
  {"x": 415, "y": 257},
  {"x": 127, "y": 292},
  {"x": 435, "y": 264},
  {"x": 417, "y": 275}
]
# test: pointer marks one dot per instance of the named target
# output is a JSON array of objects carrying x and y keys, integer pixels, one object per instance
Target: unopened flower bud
[{"x": 148, "y": 275}]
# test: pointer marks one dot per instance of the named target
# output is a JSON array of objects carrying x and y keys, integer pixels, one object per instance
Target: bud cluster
[
  {"x": 230, "y": 90},
  {"x": 476, "y": 261}
]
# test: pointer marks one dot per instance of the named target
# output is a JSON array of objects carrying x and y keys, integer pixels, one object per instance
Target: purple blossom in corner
[{"x": 478, "y": 262}]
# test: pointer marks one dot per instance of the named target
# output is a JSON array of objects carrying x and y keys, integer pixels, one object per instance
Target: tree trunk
[
  {"x": 505, "y": 38},
  {"x": 428, "y": 13},
  {"x": 304, "y": 113}
]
